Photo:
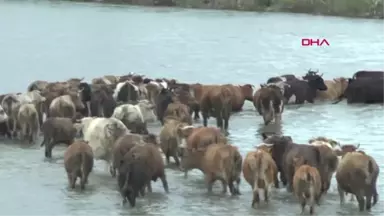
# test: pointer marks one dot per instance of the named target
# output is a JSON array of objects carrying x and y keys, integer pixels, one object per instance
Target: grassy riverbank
[{"x": 346, "y": 8}]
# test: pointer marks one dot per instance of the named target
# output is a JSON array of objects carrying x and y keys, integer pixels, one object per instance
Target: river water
[{"x": 56, "y": 41}]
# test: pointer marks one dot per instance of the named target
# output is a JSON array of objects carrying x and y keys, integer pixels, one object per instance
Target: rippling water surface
[{"x": 56, "y": 41}]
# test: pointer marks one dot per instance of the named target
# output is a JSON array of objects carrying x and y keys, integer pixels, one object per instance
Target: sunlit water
[{"x": 56, "y": 41}]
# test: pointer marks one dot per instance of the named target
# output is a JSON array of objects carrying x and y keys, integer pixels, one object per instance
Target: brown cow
[
  {"x": 260, "y": 171},
  {"x": 269, "y": 102},
  {"x": 198, "y": 91},
  {"x": 124, "y": 144},
  {"x": 217, "y": 102},
  {"x": 139, "y": 166},
  {"x": 357, "y": 174},
  {"x": 180, "y": 111},
  {"x": 57, "y": 130},
  {"x": 240, "y": 93},
  {"x": 78, "y": 162},
  {"x": 306, "y": 184},
  {"x": 171, "y": 137},
  {"x": 335, "y": 89},
  {"x": 198, "y": 139},
  {"x": 222, "y": 162}
]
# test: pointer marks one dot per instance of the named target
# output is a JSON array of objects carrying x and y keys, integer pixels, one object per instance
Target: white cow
[
  {"x": 11, "y": 104},
  {"x": 3, "y": 115},
  {"x": 143, "y": 112},
  {"x": 28, "y": 118},
  {"x": 101, "y": 134}
]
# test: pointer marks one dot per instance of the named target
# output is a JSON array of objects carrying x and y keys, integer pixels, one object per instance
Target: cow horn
[
  {"x": 358, "y": 145},
  {"x": 82, "y": 79},
  {"x": 267, "y": 144}
]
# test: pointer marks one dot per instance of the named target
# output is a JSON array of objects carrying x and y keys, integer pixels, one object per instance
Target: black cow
[
  {"x": 299, "y": 91},
  {"x": 284, "y": 152},
  {"x": 284, "y": 78},
  {"x": 102, "y": 102},
  {"x": 372, "y": 74},
  {"x": 364, "y": 90},
  {"x": 86, "y": 93},
  {"x": 162, "y": 100},
  {"x": 128, "y": 92}
]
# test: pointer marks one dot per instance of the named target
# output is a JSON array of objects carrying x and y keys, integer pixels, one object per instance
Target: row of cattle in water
[{"x": 117, "y": 132}]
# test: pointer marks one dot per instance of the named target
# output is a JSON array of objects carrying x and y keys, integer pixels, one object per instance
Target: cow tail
[
  {"x": 370, "y": 167},
  {"x": 83, "y": 164},
  {"x": 308, "y": 177}
]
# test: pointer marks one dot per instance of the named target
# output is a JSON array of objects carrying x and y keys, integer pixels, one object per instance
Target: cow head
[
  {"x": 138, "y": 128},
  {"x": 247, "y": 91},
  {"x": 279, "y": 144},
  {"x": 315, "y": 81}
]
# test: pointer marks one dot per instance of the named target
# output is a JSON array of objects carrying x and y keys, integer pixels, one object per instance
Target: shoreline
[{"x": 360, "y": 9}]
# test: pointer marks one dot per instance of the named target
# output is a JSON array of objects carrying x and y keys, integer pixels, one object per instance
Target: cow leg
[
  {"x": 112, "y": 170},
  {"x": 73, "y": 180},
  {"x": 266, "y": 192},
  {"x": 205, "y": 118},
  {"x": 341, "y": 194},
  {"x": 177, "y": 161},
  {"x": 149, "y": 187},
  {"x": 209, "y": 182},
  {"x": 361, "y": 201},
  {"x": 48, "y": 149},
  {"x": 163, "y": 179},
  {"x": 283, "y": 178},
  {"x": 368, "y": 202},
  {"x": 196, "y": 111},
  {"x": 303, "y": 203},
  {"x": 375, "y": 195},
  {"x": 225, "y": 184},
  {"x": 256, "y": 197}
]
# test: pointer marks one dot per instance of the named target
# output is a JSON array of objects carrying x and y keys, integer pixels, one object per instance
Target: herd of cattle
[{"x": 111, "y": 116}]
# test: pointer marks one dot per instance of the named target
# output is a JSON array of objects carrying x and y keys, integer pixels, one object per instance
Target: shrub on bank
[{"x": 350, "y": 8}]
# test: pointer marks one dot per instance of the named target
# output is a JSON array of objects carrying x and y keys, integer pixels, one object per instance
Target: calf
[
  {"x": 269, "y": 102},
  {"x": 357, "y": 174},
  {"x": 222, "y": 162},
  {"x": 28, "y": 118},
  {"x": 260, "y": 171},
  {"x": 57, "y": 130},
  {"x": 217, "y": 102},
  {"x": 78, "y": 162},
  {"x": 306, "y": 184},
  {"x": 171, "y": 137},
  {"x": 139, "y": 166},
  {"x": 124, "y": 144},
  {"x": 197, "y": 140}
]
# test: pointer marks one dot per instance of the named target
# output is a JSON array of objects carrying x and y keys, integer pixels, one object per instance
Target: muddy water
[{"x": 41, "y": 40}]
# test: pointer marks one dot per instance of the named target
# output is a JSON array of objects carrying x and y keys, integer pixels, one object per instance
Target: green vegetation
[{"x": 347, "y": 8}]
